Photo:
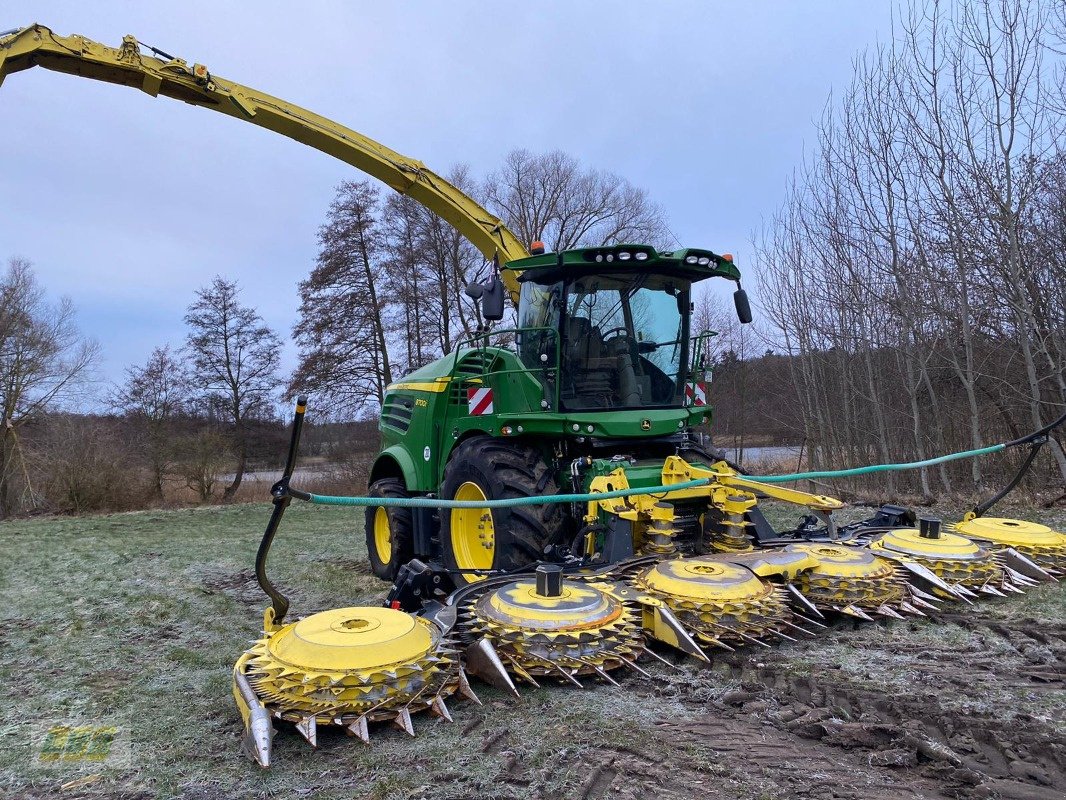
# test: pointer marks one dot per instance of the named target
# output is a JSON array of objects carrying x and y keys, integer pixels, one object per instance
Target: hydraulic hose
[
  {"x": 847, "y": 473},
  {"x": 436, "y": 502},
  {"x": 1035, "y": 438}
]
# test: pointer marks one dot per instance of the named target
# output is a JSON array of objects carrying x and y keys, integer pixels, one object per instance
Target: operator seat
[{"x": 589, "y": 370}]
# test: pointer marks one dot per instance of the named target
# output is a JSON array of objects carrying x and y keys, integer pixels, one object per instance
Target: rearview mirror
[
  {"x": 492, "y": 299},
  {"x": 740, "y": 300}
]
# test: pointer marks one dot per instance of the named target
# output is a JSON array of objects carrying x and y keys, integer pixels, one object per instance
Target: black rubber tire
[
  {"x": 401, "y": 529},
  {"x": 503, "y": 470}
]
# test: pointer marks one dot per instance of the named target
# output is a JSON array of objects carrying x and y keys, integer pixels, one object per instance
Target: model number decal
[{"x": 420, "y": 403}]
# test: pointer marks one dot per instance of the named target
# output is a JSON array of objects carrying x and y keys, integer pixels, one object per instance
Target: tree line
[{"x": 915, "y": 272}]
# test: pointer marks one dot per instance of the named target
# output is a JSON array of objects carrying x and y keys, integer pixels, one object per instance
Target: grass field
[{"x": 134, "y": 621}]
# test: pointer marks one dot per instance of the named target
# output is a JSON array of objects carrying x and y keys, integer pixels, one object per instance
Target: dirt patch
[{"x": 240, "y": 585}]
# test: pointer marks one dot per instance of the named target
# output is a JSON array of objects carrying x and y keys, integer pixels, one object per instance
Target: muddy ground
[
  {"x": 134, "y": 620},
  {"x": 973, "y": 712}
]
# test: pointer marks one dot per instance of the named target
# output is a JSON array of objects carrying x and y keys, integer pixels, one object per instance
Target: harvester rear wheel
[
  {"x": 486, "y": 468},
  {"x": 389, "y": 531}
]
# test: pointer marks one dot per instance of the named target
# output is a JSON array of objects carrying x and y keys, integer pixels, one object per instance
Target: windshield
[{"x": 625, "y": 341}]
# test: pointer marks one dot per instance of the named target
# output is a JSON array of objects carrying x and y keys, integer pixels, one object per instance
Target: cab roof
[{"x": 691, "y": 263}]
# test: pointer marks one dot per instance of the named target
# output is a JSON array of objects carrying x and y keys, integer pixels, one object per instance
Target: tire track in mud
[
  {"x": 814, "y": 732},
  {"x": 788, "y": 729}
]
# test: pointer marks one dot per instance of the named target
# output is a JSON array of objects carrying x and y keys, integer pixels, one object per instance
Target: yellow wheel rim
[
  {"x": 382, "y": 535},
  {"x": 473, "y": 534}
]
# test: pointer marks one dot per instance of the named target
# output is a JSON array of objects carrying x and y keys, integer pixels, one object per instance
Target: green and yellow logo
[{"x": 78, "y": 743}]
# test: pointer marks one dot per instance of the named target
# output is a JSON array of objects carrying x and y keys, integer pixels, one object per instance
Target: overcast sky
[{"x": 126, "y": 204}]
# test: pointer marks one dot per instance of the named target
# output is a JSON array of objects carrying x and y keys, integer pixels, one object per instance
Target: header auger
[{"x": 542, "y": 501}]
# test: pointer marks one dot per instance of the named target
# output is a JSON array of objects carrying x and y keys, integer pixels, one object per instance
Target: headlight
[
  {"x": 642, "y": 256},
  {"x": 691, "y": 260},
  {"x": 599, "y": 256},
  {"x": 624, "y": 256},
  {"x": 704, "y": 261}
]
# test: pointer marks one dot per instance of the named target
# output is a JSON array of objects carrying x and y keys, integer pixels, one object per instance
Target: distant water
[{"x": 786, "y": 453}]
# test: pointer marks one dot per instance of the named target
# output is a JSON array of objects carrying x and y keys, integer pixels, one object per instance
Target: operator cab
[
  {"x": 624, "y": 338},
  {"x": 622, "y": 314}
]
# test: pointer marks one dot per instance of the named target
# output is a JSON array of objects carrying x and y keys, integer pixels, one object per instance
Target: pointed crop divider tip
[
  {"x": 888, "y": 612},
  {"x": 308, "y": 728},
  {"x": 483, "y": 660},
  {"x": 910, "y": 609},
  {"x": 465, "y": 690},
  {"x": 930, "y": 577},
  {"x": 918, "y": 593},
  {"x": 1018, "y": 579},
  {"x": 361, "y": 729},
  {"x": 403, "y": 721},
  {"x": 799, "y": 598},
  {"x": 924, "y": 604},
  {"x": 1026, "y": 566},
  {"x": 438, "y": 708},
  {"x": 854, "y": 611},
  {"x": 684, "y": 641}
]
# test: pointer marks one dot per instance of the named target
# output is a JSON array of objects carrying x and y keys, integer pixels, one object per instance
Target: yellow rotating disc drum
[
  {"x": 346, "y": 667},
  {"x": 719, "y": 602},
  {"x": 852, "y": 581},
  {"x": 958, "y": 561},
  {"x": 546, "y": 626},
  {"x": 1037, "y": 542}
]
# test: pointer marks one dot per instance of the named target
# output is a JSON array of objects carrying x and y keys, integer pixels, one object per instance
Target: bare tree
[
  {"x": 552, "y": 198},
  {"x": 153, "y": 395},
  {"x": 235, "y": 359},
  {"x": 912, "y": 271},
  {"x": 44, "y": 362},
  {"x": 344, "y": 319}
]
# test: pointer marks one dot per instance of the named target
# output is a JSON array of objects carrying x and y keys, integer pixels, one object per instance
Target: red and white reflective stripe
[
  {"x": 696, "y": 394},
  {"x": 479, "y": 401}
]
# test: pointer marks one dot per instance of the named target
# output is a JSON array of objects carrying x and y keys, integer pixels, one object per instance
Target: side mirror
[
  {"x": 492, "y": 299},
  {"x": 740, "y": 300}
]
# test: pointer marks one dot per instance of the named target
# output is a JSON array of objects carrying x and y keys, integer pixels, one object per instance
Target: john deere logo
[
  {"x": 645, "y": 424},
  {"x": 78, "y": 743}
]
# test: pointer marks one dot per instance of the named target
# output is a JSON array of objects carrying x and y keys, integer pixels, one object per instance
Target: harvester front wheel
[
  {"x": 389, "y": 531},
  {"x": 496, "y": 539}
]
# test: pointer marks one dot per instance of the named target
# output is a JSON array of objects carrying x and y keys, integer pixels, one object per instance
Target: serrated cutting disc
[
  {"x": 952, "y": 558},
  {"x": 716, "y": 600},
  {"x": 341, "y": 664},
  {"x": 582, "y": 630},
  {"x": 848, "y": 576},
  {"x": 1039, "y": 542}
]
